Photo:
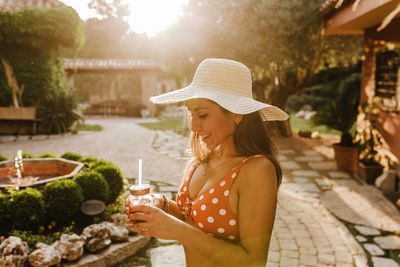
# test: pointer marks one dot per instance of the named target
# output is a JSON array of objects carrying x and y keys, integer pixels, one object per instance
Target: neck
[{"x": 225, "y": 150}]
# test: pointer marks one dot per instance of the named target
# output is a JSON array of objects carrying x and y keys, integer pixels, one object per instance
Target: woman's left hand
[{"x": 151, "y": 221}]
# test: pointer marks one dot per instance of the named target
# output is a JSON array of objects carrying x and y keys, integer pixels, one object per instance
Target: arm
[
  {"x": 172, "y": 206},
  {"x": 256, "y": 210}
]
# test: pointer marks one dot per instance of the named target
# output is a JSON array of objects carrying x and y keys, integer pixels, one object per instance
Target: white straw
[{"x": 140, "y": 172}]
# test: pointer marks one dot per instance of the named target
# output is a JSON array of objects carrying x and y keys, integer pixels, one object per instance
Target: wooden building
[{"x": 381, "y": 56}]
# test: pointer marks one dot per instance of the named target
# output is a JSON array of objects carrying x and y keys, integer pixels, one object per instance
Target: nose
[{"x": 195, "y": 124}]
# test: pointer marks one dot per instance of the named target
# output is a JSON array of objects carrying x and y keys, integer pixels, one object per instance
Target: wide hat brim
[{"x": 235, "y": 103}]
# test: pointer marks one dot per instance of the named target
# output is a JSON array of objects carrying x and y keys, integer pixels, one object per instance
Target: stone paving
[{"x": 307, "y": 232}]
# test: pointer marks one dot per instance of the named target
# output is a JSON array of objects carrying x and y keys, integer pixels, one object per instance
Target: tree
[
  {"x": 107, "y": 8},
  {"x": 281, "y": 41}
]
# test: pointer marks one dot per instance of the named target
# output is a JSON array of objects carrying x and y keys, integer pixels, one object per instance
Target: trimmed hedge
[
  {"x": 27, "y": 209},
  {"x": 94, "y": 186},
  {"x": 3, "y": 158},
  {"x": 47, "y": 155},
  {"x": 63, "y": 199},
  {"x": 114, "y": 178},
  {"x": 71, "y": 156},
  {"x": 5, "y": 213}
]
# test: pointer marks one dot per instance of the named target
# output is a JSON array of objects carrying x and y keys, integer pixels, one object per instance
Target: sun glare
[
  {"x": 153, "y": 16},
  {"x": 147, "y": 16}
]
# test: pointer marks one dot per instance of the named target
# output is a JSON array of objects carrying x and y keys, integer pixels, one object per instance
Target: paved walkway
[{"x": 307, "y": 232}]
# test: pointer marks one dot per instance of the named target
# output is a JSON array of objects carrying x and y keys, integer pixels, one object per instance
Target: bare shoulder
[{"x": 258, "y": 171}]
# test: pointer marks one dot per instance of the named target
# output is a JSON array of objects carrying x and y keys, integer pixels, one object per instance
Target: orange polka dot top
[{"x": 210, "y": 211}]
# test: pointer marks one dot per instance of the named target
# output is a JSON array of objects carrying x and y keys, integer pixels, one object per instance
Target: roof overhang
[
  {"x": 349, "y": 20},
  {"x": 82, "y": 65}
]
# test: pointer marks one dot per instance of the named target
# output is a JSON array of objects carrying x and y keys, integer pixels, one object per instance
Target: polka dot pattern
[{"x": 210, "y": 211}]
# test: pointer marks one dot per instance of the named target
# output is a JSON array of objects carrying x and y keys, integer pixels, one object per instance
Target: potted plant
[
  {"x": 370, "y": 143},
  {"x": 341, "y": 114}
]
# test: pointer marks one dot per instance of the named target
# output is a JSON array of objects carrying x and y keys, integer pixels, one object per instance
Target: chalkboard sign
[{"x": 386, "y": 73}]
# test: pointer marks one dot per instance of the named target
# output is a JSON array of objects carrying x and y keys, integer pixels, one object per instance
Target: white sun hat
[{"x": 226, "y": 82}]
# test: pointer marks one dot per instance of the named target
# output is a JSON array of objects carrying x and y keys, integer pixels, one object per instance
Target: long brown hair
[{"x": 252, "y": 136}]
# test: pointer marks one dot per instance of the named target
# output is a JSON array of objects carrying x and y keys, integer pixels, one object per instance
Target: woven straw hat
[{"x": 226, "y": 82}]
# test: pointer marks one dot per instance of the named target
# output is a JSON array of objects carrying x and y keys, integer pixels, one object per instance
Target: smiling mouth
[{"x": 204, "y": 137}]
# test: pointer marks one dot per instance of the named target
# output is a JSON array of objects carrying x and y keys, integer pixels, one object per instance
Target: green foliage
[
  {"x": 27, "y": 155},
  {"x": 87, "y": 127},
  {"x": 295, "y": 102},
  {"x": 27, "y": 209},
  {"x": 341, "y": 113},
  {"x": 31, "y": 40},
  {"x": 47, "y": 155},
  {"x": 5, "y": 213},
  {"x": 31, "y": 238},
  {"x": 94, "y": 186},
  {"x": 63, "y": 199},
  {"x": 368, "y": 136},
  {"x": 92, "y": 162},
  {"x": 283, "y": 39},
  {"x": 167, "y": 125},
  {"x": 71, "y": 156},
  {"x": 115, "y": 180},
  {"x": 59, "y": 109},
  {"x": 3, "y": 158}
]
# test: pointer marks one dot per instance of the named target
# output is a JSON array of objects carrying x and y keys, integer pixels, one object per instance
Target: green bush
[
  {"x": 5, "y": 213},
  {"x": 71, "y": 156},
  {"x": 94, "y": 185},
  {"x": 92, "y": 162},
  {"x": 27, "y": 209},
  {"x": 63, "y": 199},
  {"x": 27, "y": 155},
  {"x": 341, "y": 112},
  {"x": 59, "y": 110},
  {"x": 3, "y": 158},
  {"x": 38, "y": 60},
  {"x": 47, "y": 155},
  {"x": 114, "y": 178}
]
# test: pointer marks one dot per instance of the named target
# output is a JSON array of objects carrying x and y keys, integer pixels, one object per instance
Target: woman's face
[{"x": 210, "y": 122}]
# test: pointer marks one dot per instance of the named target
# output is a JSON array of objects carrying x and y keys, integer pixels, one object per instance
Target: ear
[{"x": 237, "y": 118}]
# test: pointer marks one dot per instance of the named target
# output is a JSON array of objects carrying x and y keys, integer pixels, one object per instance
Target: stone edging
[{"x": 113, "y": 254}]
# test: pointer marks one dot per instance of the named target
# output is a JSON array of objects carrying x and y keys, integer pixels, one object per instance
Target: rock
[
  {"x": 386, "y": 181},
  {"x": 97, "y": 237},
  {"x": 120, "y": 220},
  {"x": 13, "y": 252},
  {"x": 305, "y": 133},
  {"x": 367, "y": 230},
  {"x": 45, "y": 256},
  {"x": 117, "y": 233},
  {"x": 71, "y": 246},
  {"x": 315, "y": 135},
  {"x": 388, "y": 242}
]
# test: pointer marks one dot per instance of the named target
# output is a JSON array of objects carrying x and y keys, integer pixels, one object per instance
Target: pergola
[{"x": 147, "y": 69}]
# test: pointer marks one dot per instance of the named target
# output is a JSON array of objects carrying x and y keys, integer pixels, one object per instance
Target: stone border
[{"x": 115, "y": 253}]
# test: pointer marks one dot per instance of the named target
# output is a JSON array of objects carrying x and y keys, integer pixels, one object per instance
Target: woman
[{"x": 226, "y": 203}]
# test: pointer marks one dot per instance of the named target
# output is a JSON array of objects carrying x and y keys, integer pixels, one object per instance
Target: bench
[{"x": 18, "y": 120}]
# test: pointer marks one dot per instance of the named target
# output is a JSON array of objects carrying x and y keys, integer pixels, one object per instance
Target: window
[{"x": 387, "y": 78}]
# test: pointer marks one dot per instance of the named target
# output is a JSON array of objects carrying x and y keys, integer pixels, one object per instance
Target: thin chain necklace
[{"x": 205, "y": 169}]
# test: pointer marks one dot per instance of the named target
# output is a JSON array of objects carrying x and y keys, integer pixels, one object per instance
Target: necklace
[{"x": 205, "y": 169}]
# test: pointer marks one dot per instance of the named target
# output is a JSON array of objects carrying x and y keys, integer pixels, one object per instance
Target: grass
[
  {"x": 296, "y": 124},
  {"x": 89, "y": 127},
  {"x": 171, "y": 125}
]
